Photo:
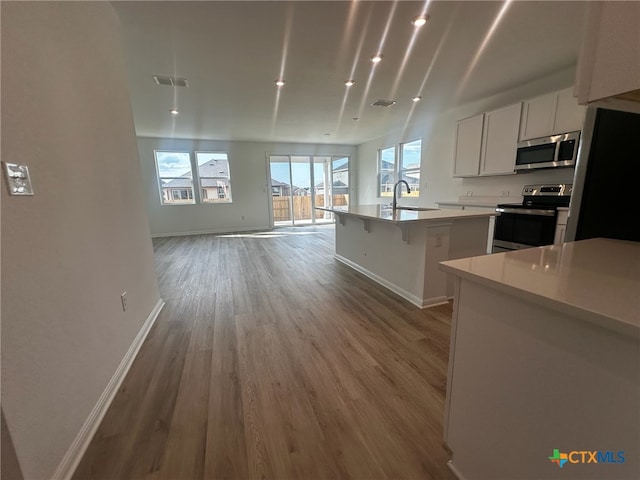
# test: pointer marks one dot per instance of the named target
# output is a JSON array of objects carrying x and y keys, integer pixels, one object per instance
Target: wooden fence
[{"x": 302, "y": 207}]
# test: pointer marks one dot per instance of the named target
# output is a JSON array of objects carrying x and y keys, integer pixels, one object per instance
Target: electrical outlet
[
  {"x": 504, "y": 193},
  {"x": 123, "y": 299},
  {"x": 469, "y": 194},
  {"x": 438, "y": 240}
]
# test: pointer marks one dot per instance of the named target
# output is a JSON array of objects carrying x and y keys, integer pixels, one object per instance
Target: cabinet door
[
  {"x": 569, "y": 115},
  {"x": 537, "y": 116},
  {"x": 468, "y": 146},
  {"x": 500, "y": 140}
]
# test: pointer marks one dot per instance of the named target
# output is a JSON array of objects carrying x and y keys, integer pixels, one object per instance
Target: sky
[
  {"x": 300, "y": 172},
  {"x": 410, "y": 154},
  {"x": 176, "y": 164}
]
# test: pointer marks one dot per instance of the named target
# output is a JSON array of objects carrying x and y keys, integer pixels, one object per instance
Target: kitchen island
[
  {"x": 545, "y": 363},
  {"x": 401, "y": 249}
]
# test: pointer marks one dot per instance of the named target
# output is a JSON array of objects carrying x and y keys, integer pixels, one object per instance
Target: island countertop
[
  {"x": 387, "y": 214},
  {"x": 596, "y": 279}
]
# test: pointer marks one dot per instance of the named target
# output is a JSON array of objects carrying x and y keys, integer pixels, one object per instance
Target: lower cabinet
[{"x": 561, "y": 226}]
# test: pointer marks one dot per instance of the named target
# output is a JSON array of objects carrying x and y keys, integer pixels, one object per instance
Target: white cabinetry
[
  {"x": 550, "y": 114},
  {"x": 468, "y": 146},
  {"x": 537, "y": 116},
  {"x": 486, "y": 143},
  {"x": 569, "y": 116},
  {"x": 609, "y": 63},
  {"x": 499, "y": 140},
  {"x": 561, "y": 225}
]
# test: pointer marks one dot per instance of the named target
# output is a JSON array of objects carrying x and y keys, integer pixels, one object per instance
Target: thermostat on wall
[{"x": 18, "y": 179}]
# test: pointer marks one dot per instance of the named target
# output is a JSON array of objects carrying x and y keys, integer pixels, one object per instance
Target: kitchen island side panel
[
  {"x": 526, "y": 380},
  {"x": 382, "y": 252},
  {"x": 468, "y": 238}
]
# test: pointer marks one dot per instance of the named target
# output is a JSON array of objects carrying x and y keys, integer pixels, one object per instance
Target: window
[
  {"x": 340, "y": 181},
  {"x": 214, "y": 178},
  {"x": 175, "y": 177},
  {"x": 410, "y": 156},
  {"x": 407, "y": 169},
  {"x": 386, "y": 171}
]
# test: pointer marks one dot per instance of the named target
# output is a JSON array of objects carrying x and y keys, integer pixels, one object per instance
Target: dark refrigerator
[{"x": 606, "y": 187}]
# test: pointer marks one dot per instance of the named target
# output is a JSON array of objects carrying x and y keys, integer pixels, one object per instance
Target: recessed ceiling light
[
  {"x": 349, "y": 83},
  {"x": 355, "y": 119},
  {"x": 174, "y": 111},
  {"x": 417, "y": 98},
  {"x": 420, "y": 21},
  {"x": 377, "y": 58},
  {"x": 280, "y": 82}
]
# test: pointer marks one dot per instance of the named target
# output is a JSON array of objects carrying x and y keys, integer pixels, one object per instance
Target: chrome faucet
[{"x": 395, "y": 192}]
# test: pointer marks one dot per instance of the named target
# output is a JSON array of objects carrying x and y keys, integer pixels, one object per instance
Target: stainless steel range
[{"x": 531, "y": 223}]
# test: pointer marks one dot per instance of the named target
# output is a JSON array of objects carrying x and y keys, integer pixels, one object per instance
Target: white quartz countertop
[
  {"x": 480, "y": 201},
  {"x": 386, "y": 214},
  {"x": 488, "y": 204},
  {"x": 597, "y": 280}
]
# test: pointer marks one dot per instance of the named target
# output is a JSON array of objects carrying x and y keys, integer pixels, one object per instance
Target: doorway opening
[{"x": 300, "y": 183}]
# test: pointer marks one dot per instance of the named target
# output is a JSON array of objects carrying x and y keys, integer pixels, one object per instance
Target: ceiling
[{"x": 232, "y": 52}]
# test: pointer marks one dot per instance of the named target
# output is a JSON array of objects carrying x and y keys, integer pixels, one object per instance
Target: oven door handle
[{"x": 527, "y": 211}]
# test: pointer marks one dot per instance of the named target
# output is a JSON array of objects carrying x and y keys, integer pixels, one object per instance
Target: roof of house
[
  {"x": 209, "y": 174},
  {"x": 214, "y": 168}
]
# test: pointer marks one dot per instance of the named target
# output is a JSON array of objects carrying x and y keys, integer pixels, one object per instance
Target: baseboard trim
[
  {"x": 408, "y": 296},
  {"x": 210, "y": 232},
  {"x": 72, "y": 458}
]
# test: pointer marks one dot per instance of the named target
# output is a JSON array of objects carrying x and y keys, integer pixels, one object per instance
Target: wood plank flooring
[{"x": 271, "y": 360}]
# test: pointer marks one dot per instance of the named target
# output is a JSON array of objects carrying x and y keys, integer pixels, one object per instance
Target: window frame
[
  {"x": 392, "y": 172},
  {"x": 198, "y": 196},
  {"x": 402, "y": 172},
  {"x": 159, "y": 179},
  {"x": 228, "y": 199}
]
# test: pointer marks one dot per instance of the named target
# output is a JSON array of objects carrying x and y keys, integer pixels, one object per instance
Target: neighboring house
[
  {"x": 214, "y": 183},
  {"x": 281, "y": 189},
  {"x": 388, "y": 177},
  {"x": 340, "y": 175},
  {"x": 338, "y": 188}
]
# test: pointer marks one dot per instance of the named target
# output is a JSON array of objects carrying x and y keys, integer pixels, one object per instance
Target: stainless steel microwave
[{"x": 548, "y": 152}]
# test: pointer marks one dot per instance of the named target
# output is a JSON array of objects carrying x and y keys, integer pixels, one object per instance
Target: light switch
[{"x": 18, "y": 180}]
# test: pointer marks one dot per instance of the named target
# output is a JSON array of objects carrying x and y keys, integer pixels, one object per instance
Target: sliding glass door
[{"x": 299, "y": 183}]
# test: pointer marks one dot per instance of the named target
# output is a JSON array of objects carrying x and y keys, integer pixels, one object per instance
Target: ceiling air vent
[
  {"x": 383, "y": 103},
  {"x": 170, "y": 81}
]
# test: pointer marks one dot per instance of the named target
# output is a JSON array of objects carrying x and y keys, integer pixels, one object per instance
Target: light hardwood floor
[{"x": 272, "y": 360}]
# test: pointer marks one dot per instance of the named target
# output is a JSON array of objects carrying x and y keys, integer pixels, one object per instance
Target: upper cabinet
[
  {"x": 569, "y": 116},
  {"x": 499, "y": 140},
  {"x": 486, "y": 143},
  {"x": 551, "y": 114},
  {"x": 468, "y": 146},
  {"x": 608, "y": 69}
]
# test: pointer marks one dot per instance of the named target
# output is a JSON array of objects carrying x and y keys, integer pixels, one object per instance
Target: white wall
[
  {"x": 70, "y": 250},
  {"x": 438, "y": 134},
  {"x": 248, "y": 164}
]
